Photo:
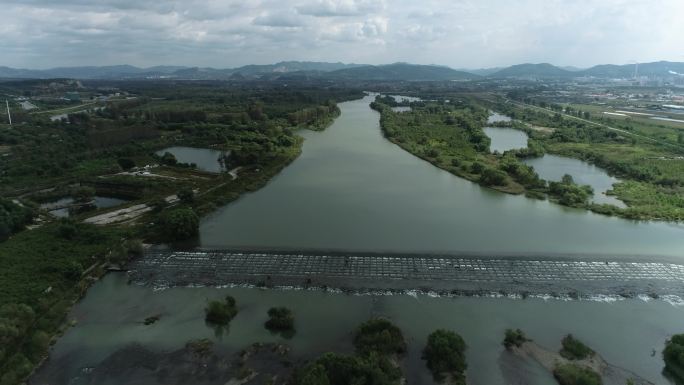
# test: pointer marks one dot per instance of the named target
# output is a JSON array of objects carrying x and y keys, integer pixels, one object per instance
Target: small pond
[
  {"x": 553, "y": 167},
  {"x": 59, "y": 208},
  {"x": 206, "y": 159},
  {"x": 504, "y": 139}
]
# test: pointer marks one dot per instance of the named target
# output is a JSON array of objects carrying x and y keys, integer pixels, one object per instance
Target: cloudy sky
[{"x": 227, "y": 33}]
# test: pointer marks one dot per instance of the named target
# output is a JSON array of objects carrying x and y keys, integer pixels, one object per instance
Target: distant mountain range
[
  {"x": 342, "y": 71},
  {"x": 604, "y": 71},
  {"x": 401, "y": 71}
]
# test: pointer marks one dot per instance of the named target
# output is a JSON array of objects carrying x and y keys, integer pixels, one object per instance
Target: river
[
  {"x": 110, "y": 317},
  {"x": 351, "y": 189}
]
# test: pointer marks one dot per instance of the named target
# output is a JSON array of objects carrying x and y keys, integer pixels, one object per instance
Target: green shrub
[
  {"x": 476, "y": 167},
  {"x": 280, "y": 319},
  {"x": 574, "y": 349},
  {"x": 514, "y": 338},
  {"x": 220, "y": 312},
  {"x": 573, "y": 374},
  {"x": 379, "y": 336},
  {"x": 493, "y": 177},
  {"x": 338, "y": 369},
  {"x": 186, "y": 195}
]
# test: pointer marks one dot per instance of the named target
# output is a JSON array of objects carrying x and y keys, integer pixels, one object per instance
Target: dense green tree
[
  {"x": 221, "y": 312},
  {"x": 380, "y": 336},
  {"x": 337, "y": 369},
  {"x": 445, "y": 354},
  {"x": 280, "y": 319},
  {"x": 186, "y": 195},
  {"x": 179, "y": 224},
  {"x": 573, "y": 374},
  {"x": 493, "y": 177},
  {"x": 673, "y": 355},
  {"x": 169, "y": 159}
]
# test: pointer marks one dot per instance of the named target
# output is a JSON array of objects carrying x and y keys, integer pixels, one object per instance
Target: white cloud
[{"x": 225, "y": 33}]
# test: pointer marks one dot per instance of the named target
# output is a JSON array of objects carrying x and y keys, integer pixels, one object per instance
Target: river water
[
  {"x": 110, "y": 317},
  {"x": 351, "y": 189}
]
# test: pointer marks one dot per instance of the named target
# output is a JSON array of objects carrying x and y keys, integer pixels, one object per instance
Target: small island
[
  {"x": 379, "y": 336},
  {"x": 574, "y": 364}
]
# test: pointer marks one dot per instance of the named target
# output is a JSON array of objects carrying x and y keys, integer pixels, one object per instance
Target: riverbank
[
  {"x": 51, "y": 268},
  {"x": 650, "y": 167},
  {"x": 458, "y": 153}
]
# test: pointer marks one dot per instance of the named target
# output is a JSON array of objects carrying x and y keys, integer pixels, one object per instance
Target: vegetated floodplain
[
  {"x": 111, "y": 151},
  {"x": 448, "y": 132},
  {"x": 646, "y": 156}
]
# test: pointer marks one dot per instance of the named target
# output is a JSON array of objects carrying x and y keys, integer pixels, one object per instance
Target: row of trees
[{"x": 379, "y": 345}]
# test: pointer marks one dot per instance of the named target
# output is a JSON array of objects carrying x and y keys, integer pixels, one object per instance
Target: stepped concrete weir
[{"x": 454, "y": 274}]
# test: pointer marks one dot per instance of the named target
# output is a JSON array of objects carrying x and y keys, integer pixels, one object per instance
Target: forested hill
[
  {"x": 402, "y": 71},
  {"x": 289, "y": 70},
  {"x": 542, "y": 70},
  {"x": 662, "y": 69}
]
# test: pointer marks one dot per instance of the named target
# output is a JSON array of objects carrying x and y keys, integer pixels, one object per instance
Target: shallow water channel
[
  {"x": 110, "y": 317},
  {"x": 353, "y": 190}
]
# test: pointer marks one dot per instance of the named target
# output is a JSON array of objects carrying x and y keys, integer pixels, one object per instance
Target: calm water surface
[
  {"x": 98, "y": 201},
  {"x": 553, "y": 167},
  {"x": 504, "y": 139},
  {"x": 205, "y": 159},
  {"x": 351, "y": 189}
]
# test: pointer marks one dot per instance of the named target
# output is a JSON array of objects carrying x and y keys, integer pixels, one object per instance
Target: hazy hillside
[
  {"x": 528, "y": 70},
  {"x": 303, "y": 70},
  {"x": 661, "y": 68},
  {"x": 402, "y": 71}
]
